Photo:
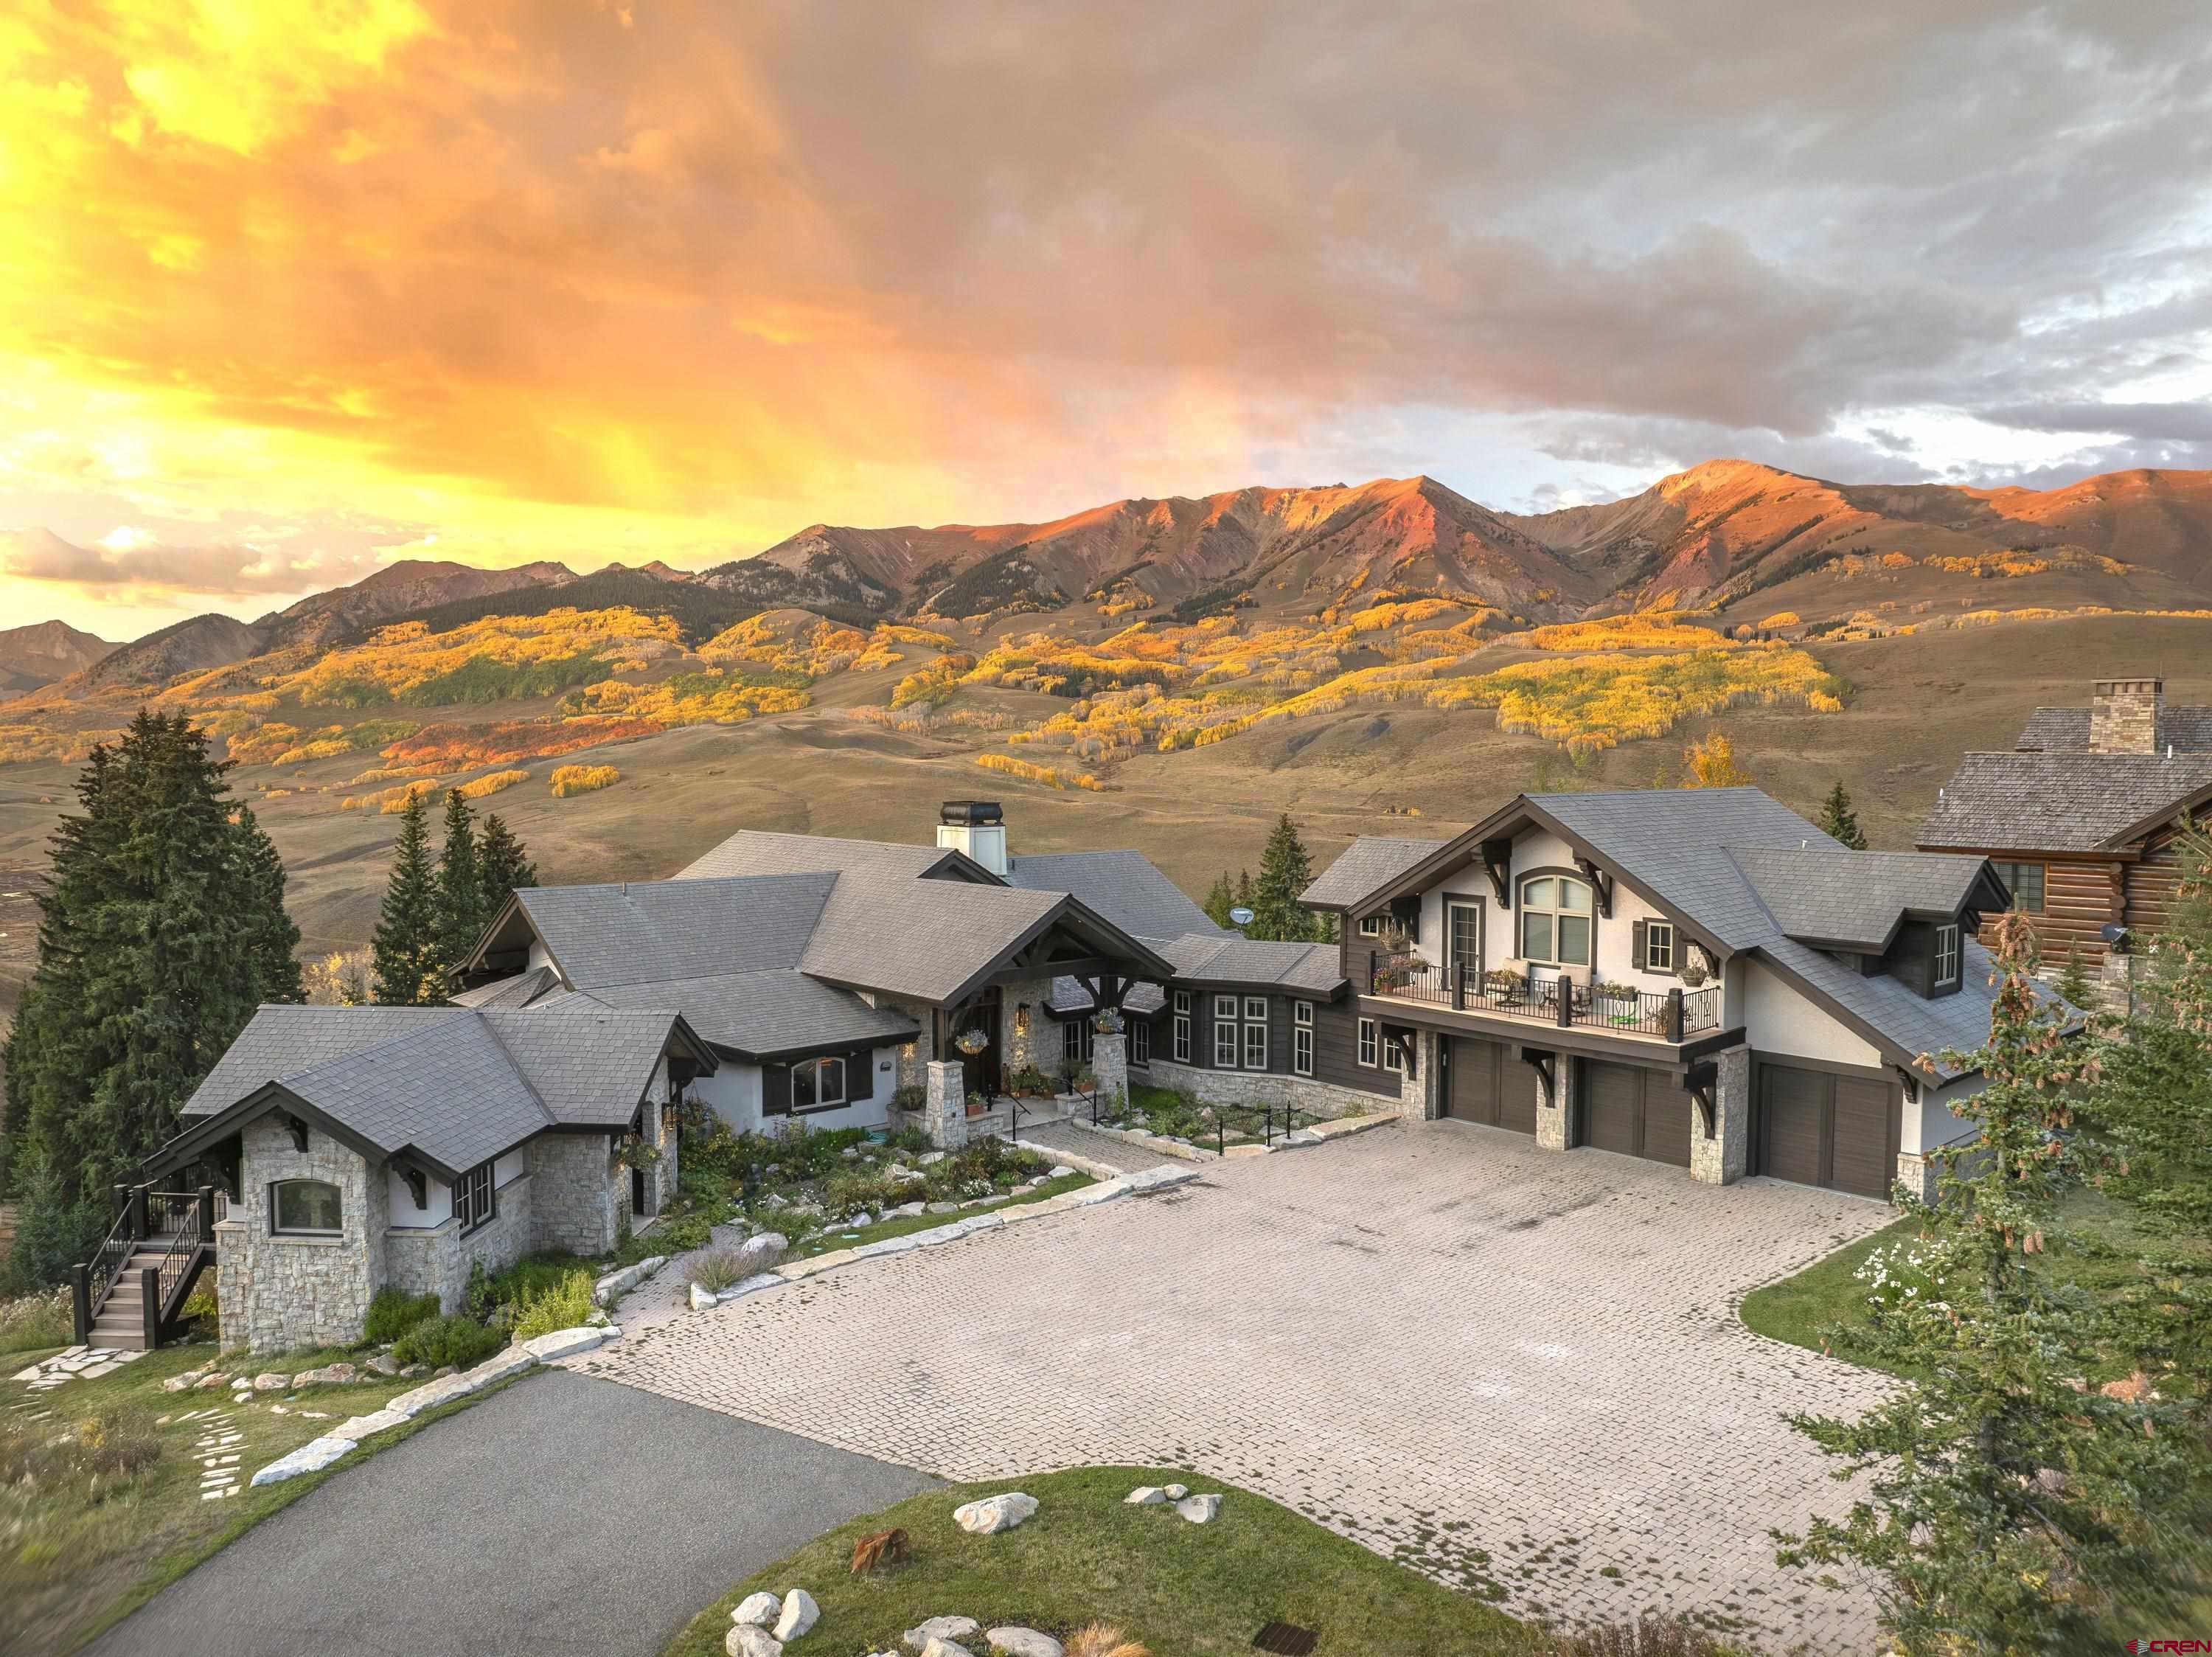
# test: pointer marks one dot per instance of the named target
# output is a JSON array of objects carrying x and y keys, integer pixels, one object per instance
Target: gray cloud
[{"x": 218, "y": 568}]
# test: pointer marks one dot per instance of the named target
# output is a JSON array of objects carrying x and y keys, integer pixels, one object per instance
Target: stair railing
[
  {"x": 93, "y": 1281},
  {"x": 187, "y": 1218}
]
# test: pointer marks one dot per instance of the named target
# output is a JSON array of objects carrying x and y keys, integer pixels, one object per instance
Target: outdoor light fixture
[{"x": 1021, "y": 1018}]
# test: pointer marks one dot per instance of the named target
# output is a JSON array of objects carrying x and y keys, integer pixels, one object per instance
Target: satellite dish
[{"x": 1240, "y": 915}]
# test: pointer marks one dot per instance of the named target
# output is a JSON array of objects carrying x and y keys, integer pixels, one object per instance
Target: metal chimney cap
[{"x": 973, "y": 813}]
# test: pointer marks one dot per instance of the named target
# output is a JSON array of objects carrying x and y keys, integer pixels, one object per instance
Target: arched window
[
  {"x": 307, "y": 1207},
  {"x": 1555, "y": 920}
]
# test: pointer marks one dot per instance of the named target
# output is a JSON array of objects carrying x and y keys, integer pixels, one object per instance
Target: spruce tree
[
  {"x": 406, "y": 969},
  {"x": 1285, "y": 871},
  {"x": 461, "y": 892},
  {"x": 1838, "y": 822},
  {"x": 502, "y": 865},
  {"x": 2008, "y": 1506},
  {"x": 1245, "y": 897},
  {"x": 163, "y": 929},
  {"x": 1220, "y": 899}
]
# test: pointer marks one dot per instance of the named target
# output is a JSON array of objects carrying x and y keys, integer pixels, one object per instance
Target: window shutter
[
  {"x": 776, "y": 1090},
  {"x": 861, "y": 1075},
  {"x": 1637, "y": 952}
]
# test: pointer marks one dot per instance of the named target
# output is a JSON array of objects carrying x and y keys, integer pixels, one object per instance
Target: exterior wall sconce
[{"x": 1021, "y": 1018}]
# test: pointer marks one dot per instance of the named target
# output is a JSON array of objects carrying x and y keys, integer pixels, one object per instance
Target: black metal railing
[
  {"x": 93, "y": 1281},
  {"x": 187, "y": 1219},
  {"x": 179, "y": 1223},
  {"x": 1264, "y": 1122},
  {"x": 1669, "y": 1015}
]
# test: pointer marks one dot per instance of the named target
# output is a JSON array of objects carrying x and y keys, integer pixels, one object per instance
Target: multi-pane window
[
  {"x": 1658, "y": 947},
  {"x": 1225, "y": 1033},
  {"x": 1463, "y": 934},
  {"x": 305, "y": 1207},
  {"x": 1075, "y": 1041},
  {"x": 1255, "y": 1033},
  {"x": 474, "y": 1199},
  {"x": 1302, "y": 1037},
  {"x": 2025, "y": 882},
  {"x": 1947, "y": 955},
  {"x": 1140, "y": 1041},
  {"x": 1371, "y": 926},
  {"x": 1370, "y": 1043},
  {"x": 1393, "y": 1055},
  {"x": 1555, "y": 920},
  {"x": 1182, "y": 1032},
  {"x": 818, "y": 1083}
]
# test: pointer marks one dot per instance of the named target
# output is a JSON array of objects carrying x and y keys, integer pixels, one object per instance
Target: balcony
[{"x": 1673, "y": 1016}]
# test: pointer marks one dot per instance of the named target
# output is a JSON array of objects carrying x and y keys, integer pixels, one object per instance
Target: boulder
[
  {"x": 1199, "y": 1510},
  {"x": 942, "y": 1628},
  {"x": 1061, "y": 1170},
  {"x": 1145, "y": 1495},
  {"x": 330, "y": 1375},
  {"x": 995, "y": 1513},
  {"x": 563, "y": 1343},
  {"x": 271, "y": 1382},
  {"x": 851, "y": 1153},
  {"x": 929, "y": 1159},
  {"x": 762, "y": 1253},
  {"x": 946, "y": 1649},
  {"x": 703, "y": 1299},
  {"x": 615, "y": 1284},
  {"x": 1177, "y": 1492},
  {"x": 800, "y": 1613},
  {"x": 761, "y": 1610},
  {"x": 415, "y": 1372},
  {"x": 904, "y": 1211},
  {"x": 383, "y": 1365},
  {"x": 310, "y": 1457},
  {"x": 1022, "y": 1643},
  {"x": 943, "y": 1207},
  {"x": 175, "y": 1383},
  {"x": 212, "y": 1381},
  {"x": 749, "y": 1639},
  {"x": 361, "y": 1427}
]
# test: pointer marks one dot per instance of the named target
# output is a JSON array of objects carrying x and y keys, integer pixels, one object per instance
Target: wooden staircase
[
  {"x": 121, "y": 1319},
  {"x": 131, "y": 1294}
]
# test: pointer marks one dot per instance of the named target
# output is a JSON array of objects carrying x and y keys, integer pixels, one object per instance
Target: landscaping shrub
[
  {"x": 675, "y": 1234},
  {"x": 456, "y": 1340},
  {"x": 563, "y": 1306},
  {"x": 848, "y": 1193},
  {"x": 32, "y": 1321},
  {"x": 717, "y": 1271},
  {"x": 391, "y": 1314},
  {"x": 1103, "y": 1640},
  {"x": 1651, "y": 1634}
]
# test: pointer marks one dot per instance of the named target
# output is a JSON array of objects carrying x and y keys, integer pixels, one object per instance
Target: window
[
  {"x": 1393, "y": 1057},
  {"x": 1255, "y": 1033},
  {"x": 816, "y": 1084},
  {"x": 1140, "y": 1041},
  {"x": 1658, "y": 947},
  {"x": 1302, "y": 1034},
  {"x": 1370, "y": 1043},
  {"x": 1947, "y": 955},
  {"x": 1075, "y": 1039},
  {"x": 2025, "y": 882},
  {"x": 1225, "y": 1033},
  {"x": 307, "y": 1207},
  {"x": 1371, "y": 926},
  {"x": 1555, "y": 920},
  {"x": 474, "y": 1199},
  {"x": 1182, "y": 1047}
]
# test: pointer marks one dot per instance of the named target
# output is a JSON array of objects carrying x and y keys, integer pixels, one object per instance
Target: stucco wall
[
  {"x": 1778, "y": 1021},
  {"x": 437, "y": 1259}
]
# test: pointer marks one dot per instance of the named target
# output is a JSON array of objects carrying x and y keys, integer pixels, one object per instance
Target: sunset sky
[{"x": 292, "y": 287}]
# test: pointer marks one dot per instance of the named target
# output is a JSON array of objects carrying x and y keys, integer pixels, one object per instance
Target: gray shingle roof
[
  {"x": 1369, "y": 862},
  {"x": 919, "y": 938},
  {"x": 520, "y": 991},
  {"x": 1124, "y": 886},
  {"x": 2059, "y": 801},
  {"x": 2061, "y": 730},
  {"x": 1315, "y": 967},
  {"x": 282, "y": 1040},
  {"x": 752, "y": 851},
  {"x": 759, "y": 1013},
  {"x": 448, "y": 1090},
  {"x": 1857, "y": 901},
  {"x": 590, "y": 1065},
  {"x": 652, "y": 931}
]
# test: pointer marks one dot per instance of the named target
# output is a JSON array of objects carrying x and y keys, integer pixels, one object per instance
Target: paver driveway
[{"x": 1515, "y": 1370}]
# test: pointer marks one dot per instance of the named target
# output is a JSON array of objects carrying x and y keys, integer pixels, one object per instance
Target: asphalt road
[{"x": 563, "y": 1514}]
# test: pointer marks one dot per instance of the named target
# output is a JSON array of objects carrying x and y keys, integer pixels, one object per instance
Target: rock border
[{"x": 1320, "y": 1134}]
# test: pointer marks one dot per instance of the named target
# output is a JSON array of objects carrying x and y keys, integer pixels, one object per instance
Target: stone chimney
[
  {"x": 977, "y": 827},
  {"x": 2124, "y": 715}
]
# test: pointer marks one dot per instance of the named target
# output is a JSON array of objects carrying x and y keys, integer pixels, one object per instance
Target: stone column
[
  {"x": 1555, "y": 1104},
  {"x": 1726, "y": 1157},
  {"x": 944, "y": 1115},
  {"x": 1917, "y": 1175},
  {"x": 1417, "y": 1090},
  {"x": 1110, "y": 1067}
]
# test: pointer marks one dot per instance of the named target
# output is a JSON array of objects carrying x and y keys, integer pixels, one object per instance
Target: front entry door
[
  {"x": 979, "y": 1068},
  {"x": 1463, "y": 940}
]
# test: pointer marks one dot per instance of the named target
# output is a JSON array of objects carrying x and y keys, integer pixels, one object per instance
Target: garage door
[
  {"x": 1634, "y": 1112},
  {"x": 1819, "y": 1128},
  {"x": 1488, "y": 1083}
]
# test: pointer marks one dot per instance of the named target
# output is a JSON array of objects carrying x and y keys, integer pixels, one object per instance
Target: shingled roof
[
  {"x": 1124, "y": 886},
  {"x": 2062, "y": 802},
  {"x": 1371, "y": 860},
  {"x": 1859, "y": 902},
  {"x": 2066, "y": 730}
]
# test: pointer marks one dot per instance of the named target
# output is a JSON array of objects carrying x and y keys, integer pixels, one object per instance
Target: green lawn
[
  {"x": 90, "y": 1531},
  {"x": 1183, "y": 1590},
  {"x": 832, "y": 1237}
]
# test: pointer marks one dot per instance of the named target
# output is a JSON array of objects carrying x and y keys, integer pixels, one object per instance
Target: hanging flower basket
[
  {"x": 1695, "y": 970},
  {"x": 1107, "y": 1021},
  {"x": 971, "y": 1042}
]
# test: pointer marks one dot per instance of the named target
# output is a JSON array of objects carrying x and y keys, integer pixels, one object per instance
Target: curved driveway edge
[{"x": 564, "y": 1514}]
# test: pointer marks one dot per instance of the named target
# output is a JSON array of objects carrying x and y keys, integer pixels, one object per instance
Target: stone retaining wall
[
  {"x": 437, "y": 1260},
  {"x": 1319, "y": 1098}
]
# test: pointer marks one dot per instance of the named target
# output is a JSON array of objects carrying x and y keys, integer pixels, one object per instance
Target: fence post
[
  {"x": 1674, "y": 1015},
  {"x": 81, "y": 1303},
  {"x": 1459, "y": 986},
  {"x": 1566, "y": 986},
  {"x": 149, "y": 1289},
  {"x": 1372, "y": 957},
  {"x": 138, "y": 1214}
]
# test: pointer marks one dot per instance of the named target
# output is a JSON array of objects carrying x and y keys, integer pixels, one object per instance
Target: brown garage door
[
  {"x": 1634, "y": 1112},
  {"x": 1489, "y": 1084},
  {"x": 1821, "y": 1129}
]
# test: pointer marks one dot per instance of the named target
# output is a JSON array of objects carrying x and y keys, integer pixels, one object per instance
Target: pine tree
[
  {"x": 1246, "y": 898},
  {"x": 1220, "y": 899},
  {"x": 164, "y": 928},
  {"x": 2009, "y": 1508},
  {"x": 461, "y": 892},
  {"x": 1285, "y": 871},
  {"x": 405, "y": 945},
  {"x": 1838, "y": 822},
  {"x": 502, "y": 866},
  {"x": 2073, "y": 981}
]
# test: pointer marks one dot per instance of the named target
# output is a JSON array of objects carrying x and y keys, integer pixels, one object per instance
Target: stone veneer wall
[
  {"x": 1321, "y": 1098},
  {"x": 437, "y": 1260},
  {"x": 579, "y": 1193},
  {"x": 913, "y": 1056},
  {"x": 275, "y": 1293},
  {"x": 1039, "y": 1044},
  {"x": 1726, "y": 1157}
]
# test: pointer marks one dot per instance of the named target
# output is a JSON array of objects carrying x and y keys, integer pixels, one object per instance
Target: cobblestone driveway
[{"x": 1517, "y": 1370}]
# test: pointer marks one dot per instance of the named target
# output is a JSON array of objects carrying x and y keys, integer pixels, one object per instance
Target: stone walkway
[{"x": 1516, "y": 1370}]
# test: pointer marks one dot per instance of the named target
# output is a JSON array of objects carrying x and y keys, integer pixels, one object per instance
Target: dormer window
[
  {"x": 1555, "y": 920},
  {"x": 1947, "y": 955}
]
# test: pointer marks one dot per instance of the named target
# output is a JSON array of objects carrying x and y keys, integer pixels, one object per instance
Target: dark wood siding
[{"x": 1336, "y": 1051}]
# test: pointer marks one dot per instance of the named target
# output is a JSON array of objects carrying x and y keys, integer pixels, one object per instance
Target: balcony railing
[{"x": 1671, "y": 1015}]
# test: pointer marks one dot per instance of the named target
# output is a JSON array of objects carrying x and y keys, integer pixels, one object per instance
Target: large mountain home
[
  {"x": 1698, "y": 977},
  {"x": 2078, "y": 819}
]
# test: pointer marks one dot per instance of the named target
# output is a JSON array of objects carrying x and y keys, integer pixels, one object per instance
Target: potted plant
[
  {"x": 977, "y": 1104},
  {"x": 1696, "y": 969},
  {"x": 1107, "y": 1021},
  {"x": 1615, "y": 1003},
  {"x": 971, "y": 1042}
]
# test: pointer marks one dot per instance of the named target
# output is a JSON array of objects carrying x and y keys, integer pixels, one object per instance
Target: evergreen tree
[
  {"x": 406, "y": 970},
  {"x": 502, "y": 866},
  {"x": 461, "y": 892},
  {"x": 1245, "y": 897},
  {"x": 1220, "y": 899},
  {"x": 1285, "y": 871},
  {"x": 1838, "y": 821},
  {"x": 164, "y": 928},
  {"x": 2074, "y": 980},
  {"x": 2009, "y": 1508}
]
